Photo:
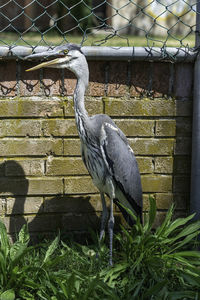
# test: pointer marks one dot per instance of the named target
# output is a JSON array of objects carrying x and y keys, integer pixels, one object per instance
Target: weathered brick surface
[
  {"x": 42, "y": 177},
  {"x": 22, "y": 205},
  {"x": 148, "y": 146},
  {"x": 140, "y": 78},
  {"x": 161, "y": 74},
  {"x": 164, "y": 165},
  {"x": 165, "y": 128},
  {"x": 45, "y": 186},
  {"x": 156, "y": 183},
  {"x": 97, "y": 85},
  {"x": 2, "y": 206},
  {"x": 35, "y": 107},
  {"x": 20, "y": 128},
  {"x": 24, "y": 167},
  {"x": 29, "y": 83},
  {"x": 134, "y": 128},
  {"x": 59, "y": 127},
  {"x": 72, "y": 147},
  {"x": 79, "y": 185},
  {"x": 69, "y": 83},
  {"x": 147, "y": 107},
  {"x": 65, "y": 166},
  {"x": 164, "y": 200},
  {"x": 73, "y": 203},
  {"x": 8, "y": 80},
  {"x": 117, "y": 78},
  {"x": 51, "y": 82},
  {"x": 25, "y": 147},
  {"x": 145, "y": 164},
  {"x": 93, "y": 106}
]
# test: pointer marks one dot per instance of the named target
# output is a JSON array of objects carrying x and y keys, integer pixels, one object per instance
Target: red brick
[
  {"x": 52, "y": 82},
  {"x": 117, "y": 79},
  {"x": 97, "y": 79},
  {"x": 139, "y": 78},
  {"x": 29, "y": 83},
  {"x": 8, "y": 84},
  {"x": 161, "y": 75},
  {"x": 69, "y": 83}
]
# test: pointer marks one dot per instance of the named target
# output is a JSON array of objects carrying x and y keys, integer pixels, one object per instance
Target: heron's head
[{"x": 66, "y": 56}]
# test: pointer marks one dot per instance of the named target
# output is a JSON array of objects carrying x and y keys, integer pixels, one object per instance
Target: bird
[{"x": 105, "y": 150}]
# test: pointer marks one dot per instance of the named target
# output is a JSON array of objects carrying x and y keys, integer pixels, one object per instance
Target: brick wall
[{"x": 42, "y": 177}]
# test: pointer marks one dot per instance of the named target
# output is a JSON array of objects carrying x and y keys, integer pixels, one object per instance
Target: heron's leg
[
  {"x": 111, "y": 222},
  {"x": 104, "y": 216}
]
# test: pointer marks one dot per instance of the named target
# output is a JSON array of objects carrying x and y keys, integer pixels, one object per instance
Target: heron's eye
[{"x": 66, "y": 51}]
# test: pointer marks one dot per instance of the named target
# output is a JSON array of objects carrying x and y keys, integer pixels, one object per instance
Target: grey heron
[{"x": 105, "y": 149}]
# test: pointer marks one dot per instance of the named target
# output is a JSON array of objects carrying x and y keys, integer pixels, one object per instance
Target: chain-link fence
[{"x": 149, "y": 23}]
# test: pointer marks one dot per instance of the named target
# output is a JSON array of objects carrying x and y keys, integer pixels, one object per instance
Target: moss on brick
[
  {"x": 165, "y": 128},
  {"x": 156, "y": 183},
  {"x": 164, "y": 165},
  {"x": 150, "y": 146},
  {"x": 144, "y": 107},
  {"x": 65, "y": 166}
]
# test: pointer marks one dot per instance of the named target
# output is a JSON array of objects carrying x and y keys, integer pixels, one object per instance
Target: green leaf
[
  {"x": 51, "y": 249},
  {"x": 165, "y": 225},
  {"x": 23, "y": 236},
  {"x": 152, "y": 213},
  {"x": 182, "y": 295},
  {"x": 17, "y": 250},
  {"x": 185, "y": 241},
  {"x": 8, "y": 295},
  {"x": 178, "y": 223},
  {"x": 155, "y": 289},
  {"x": 4, "y": 240},
  {"x": 26, "y": 295},
  {"x": 191, "y": 253},
  {"x": 190, "y": 229}
]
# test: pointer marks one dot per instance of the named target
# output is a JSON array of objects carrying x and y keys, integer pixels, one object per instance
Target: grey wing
[{"x": 122, "y": 164}]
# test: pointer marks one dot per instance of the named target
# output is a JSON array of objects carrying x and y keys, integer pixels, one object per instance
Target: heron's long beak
[
  {"x": 59, "y": 58},
  {"x": 45, "y": 64}
]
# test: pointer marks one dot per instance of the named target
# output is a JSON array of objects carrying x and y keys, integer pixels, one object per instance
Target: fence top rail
[{"x": 110, "y": 53}]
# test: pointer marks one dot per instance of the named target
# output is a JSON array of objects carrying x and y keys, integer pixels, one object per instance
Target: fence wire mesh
[{"x": 149, "y": 23}]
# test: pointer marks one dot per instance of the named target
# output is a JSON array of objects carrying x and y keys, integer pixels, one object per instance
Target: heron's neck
[{"x": 81, "y": 114}]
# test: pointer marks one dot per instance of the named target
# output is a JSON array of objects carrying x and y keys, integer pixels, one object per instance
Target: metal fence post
[{"x": 195, "y": 168}]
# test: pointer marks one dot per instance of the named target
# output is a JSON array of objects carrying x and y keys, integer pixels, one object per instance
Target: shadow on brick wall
[
  {"x": 46, "y": 214},
  {"x": 11, "y": 188}
]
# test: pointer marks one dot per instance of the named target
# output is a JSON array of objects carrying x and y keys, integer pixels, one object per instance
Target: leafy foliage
[
  {"x": 149, "y": 264},
  {"x": 157, "y": 264}
]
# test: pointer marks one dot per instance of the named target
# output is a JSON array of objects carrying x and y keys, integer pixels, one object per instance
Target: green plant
[
  {"x": 157, "y": 264},
  {"x": 25, "y": 270},
  {"x": 10, "y": 256},
  {"x": 150, "y": 264}
]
